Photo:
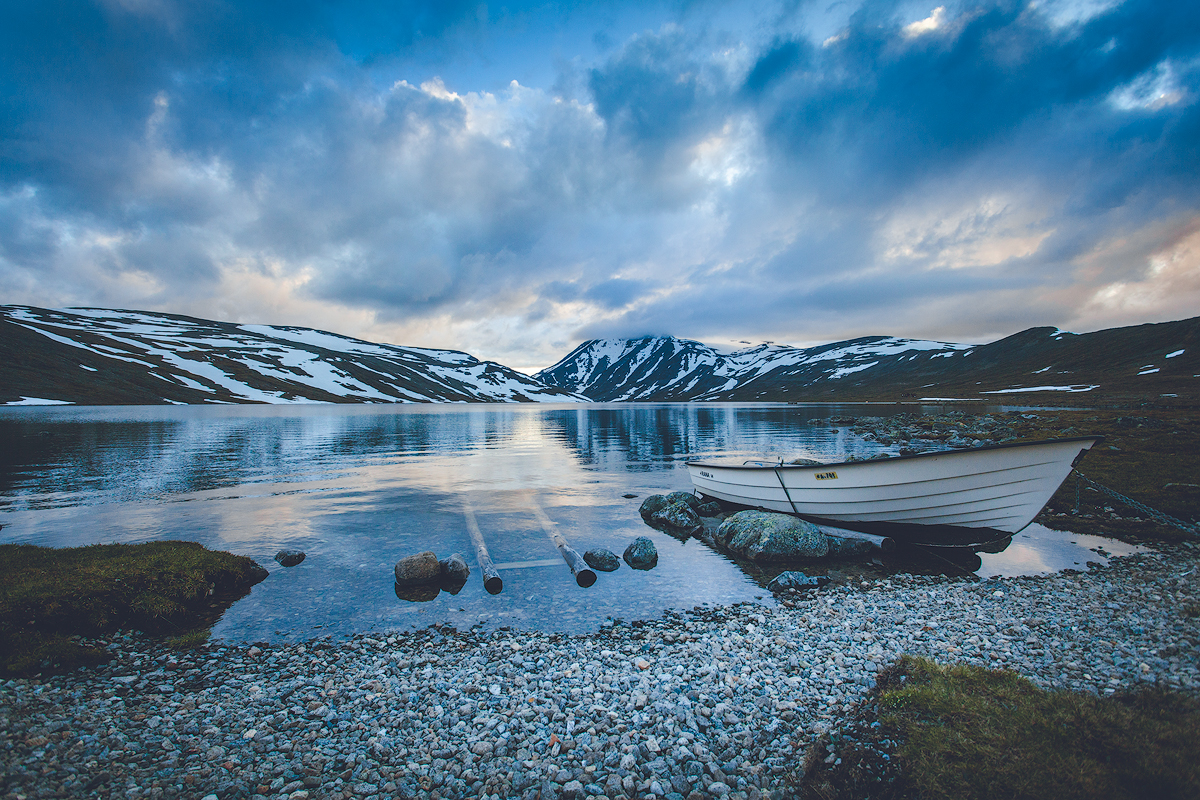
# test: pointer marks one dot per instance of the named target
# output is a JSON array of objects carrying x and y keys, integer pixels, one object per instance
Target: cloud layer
[{"x": 512, "y": 182}]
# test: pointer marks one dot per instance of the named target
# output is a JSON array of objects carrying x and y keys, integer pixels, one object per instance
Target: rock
[
  {"x": 641, "y": 554},
  {"x": 572, "y": 790},
  {"x": 418, "y": 592},
  {"x": 419, "y": 569},
  {"x": 684, "y": 497},
  {"x": 787, "y": 581},
  {"x": 676, "y": 514},
  {"x": 651, "y": 504},
  {"x": 839, "y": 546},
  {"x": 454, "y": 569},
  {"x": 289, "y": 558},
  {"x": 709, "y": 509},
  {"x": 454, "y": 573},
  {"x": 601, "y": 559},
  {"x": 767, "y": 537}
]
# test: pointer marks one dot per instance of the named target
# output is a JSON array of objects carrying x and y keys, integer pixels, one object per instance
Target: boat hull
[{"x": 949, "y": 498}]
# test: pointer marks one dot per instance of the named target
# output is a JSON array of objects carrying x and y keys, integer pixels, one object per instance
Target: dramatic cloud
[{"x": 510, "y": 181}]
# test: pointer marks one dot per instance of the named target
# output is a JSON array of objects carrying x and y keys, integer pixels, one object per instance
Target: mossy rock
[
  {"x": 50, "y": 595},
  {"x": 766, "y": 537}
]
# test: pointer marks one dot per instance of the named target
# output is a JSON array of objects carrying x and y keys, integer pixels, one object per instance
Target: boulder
[
  {"x": 767, "y": 537},
  {"x": 676, "y": 514},
  {"x": 792, "y": 581},
  {"x": 289, "y": 558},
  {"x": 651, "y": 504},
  {"x": 417, "y": 592},
  {"x": 684, "y": 497},
  {"x": 601, "y": 559},
  {"x": 454, "y": 569},
  {"x": 641, "y": 554},
  {"x": 419, "y": 569},
  {"x": 710, "y": 509}
]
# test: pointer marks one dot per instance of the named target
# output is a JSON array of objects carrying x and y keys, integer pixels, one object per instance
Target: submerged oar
[
  {"x": 491, "y": 578},
  {"x": 579, "y": 568}
]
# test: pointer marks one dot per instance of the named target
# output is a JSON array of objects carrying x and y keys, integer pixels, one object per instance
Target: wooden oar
[
  {"x": 579, "y": 568},
  {"x": 491, "y": 578}
]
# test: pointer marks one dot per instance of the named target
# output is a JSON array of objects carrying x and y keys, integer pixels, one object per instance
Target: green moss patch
[
  {"x": 49, "y": 597},
  {"x": 962, "y": 732}
]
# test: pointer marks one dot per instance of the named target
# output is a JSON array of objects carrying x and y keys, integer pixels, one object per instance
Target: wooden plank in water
[
  {"x": 491, "y": 577},
  {"x": 579, "y": 568}
]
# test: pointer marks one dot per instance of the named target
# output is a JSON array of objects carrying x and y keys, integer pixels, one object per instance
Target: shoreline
[{"x": 720, "y": 701}]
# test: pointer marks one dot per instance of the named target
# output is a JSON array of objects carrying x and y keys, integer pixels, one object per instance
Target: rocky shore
[{"x": 717, "y": 702}]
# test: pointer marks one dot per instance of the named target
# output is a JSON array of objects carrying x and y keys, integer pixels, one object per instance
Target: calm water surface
[{"x": 358, "y": 487}]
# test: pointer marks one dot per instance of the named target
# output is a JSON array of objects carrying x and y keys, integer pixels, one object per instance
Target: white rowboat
[{"x": 950, "y": 498}]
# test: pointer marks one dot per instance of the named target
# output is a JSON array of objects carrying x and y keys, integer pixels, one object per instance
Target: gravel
[{"x": 713, "y": 703}]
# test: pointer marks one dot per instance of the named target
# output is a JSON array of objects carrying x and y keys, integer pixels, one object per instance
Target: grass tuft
[
  {"x": 966, "y": 732},
  {"x": 188, "y": 641},
  {"x": 48, "y": 596}
]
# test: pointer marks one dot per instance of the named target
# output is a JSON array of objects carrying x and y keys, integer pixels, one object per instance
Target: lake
[{"x": 358, "y": 487}]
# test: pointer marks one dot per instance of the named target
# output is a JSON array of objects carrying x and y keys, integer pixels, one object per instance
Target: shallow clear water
[
  {"x": 358, "y": 487},
  {"x": 1038, "y": 550}
]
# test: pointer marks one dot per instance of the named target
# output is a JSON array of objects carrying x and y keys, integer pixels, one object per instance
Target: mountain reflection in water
[{"x": 358, "y": 487}]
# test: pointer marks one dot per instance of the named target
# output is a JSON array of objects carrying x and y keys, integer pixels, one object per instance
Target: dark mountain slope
[
  {"x": 1153, "y": 363},
  {"x": 100, "y": 357}
]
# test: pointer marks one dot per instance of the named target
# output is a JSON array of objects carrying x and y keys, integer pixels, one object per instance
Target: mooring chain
[{"x": 1153, "y": 513}]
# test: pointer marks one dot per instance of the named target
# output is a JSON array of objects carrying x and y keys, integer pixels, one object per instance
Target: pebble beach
[{"x": 714, "y": 702}]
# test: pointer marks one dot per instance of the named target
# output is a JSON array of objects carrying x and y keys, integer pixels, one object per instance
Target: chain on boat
[{"x": 1153, "y": 513}]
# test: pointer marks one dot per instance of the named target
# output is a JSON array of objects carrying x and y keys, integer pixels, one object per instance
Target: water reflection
[
  {"x": 358, "y": 487},
  {"x": 1038, "y": 550}
]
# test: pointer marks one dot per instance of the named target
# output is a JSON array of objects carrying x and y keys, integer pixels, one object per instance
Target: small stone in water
[
  {"x": 601, "y": 559},
  {"x": 289, "y": 558},
  {"x": 641, "y": 554},
  {"x": 418, "y": 569}
]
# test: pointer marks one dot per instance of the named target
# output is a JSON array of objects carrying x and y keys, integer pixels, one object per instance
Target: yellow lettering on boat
[{"x": 826, "y": 476}]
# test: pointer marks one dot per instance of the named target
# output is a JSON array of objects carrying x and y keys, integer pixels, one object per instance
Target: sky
[{"x": 513, "y": 179}]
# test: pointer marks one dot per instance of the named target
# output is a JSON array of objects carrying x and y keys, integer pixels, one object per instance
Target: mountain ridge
[
  {"x": 119, "y": 357},
  {"x": 1151, "y": 363},
  {"x": 92, "y": 356}
]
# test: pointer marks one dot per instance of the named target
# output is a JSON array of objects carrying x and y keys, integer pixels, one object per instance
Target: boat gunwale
[{"x": 1095, "y": 440}]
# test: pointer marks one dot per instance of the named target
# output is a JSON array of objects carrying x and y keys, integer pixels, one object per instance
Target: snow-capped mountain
[
  {"x": 105, "y": 357},
  {"x": 1154, "y": 363},
  {"x": 101, "y": 356},
  {"x": 665, "y": 368}
]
